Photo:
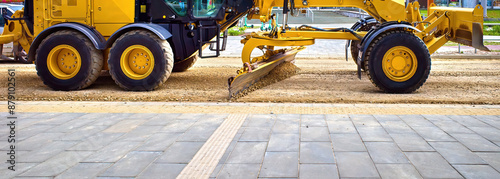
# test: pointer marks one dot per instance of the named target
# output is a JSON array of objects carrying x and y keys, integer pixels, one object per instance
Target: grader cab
[{"x": 141, "y": 42}]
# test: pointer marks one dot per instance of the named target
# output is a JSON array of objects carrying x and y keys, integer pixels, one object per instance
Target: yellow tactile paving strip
[
  {"x": 258, "y": 108},
  {"x": 207, "y": 158}
]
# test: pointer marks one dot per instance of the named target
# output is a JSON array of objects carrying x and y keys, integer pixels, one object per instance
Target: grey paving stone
[
  {"x": 239, "y": 171},
  {"x": 162, "y": 119},
  {"x": 337, "y": 117},
  {"x": 284, "y": 143},
  {"x": 313, "y": 120},
  {"x": 159, "y": 142},
  {"x": 411, "y": 142},
  {"x": 97, "y": 141},
  {"x": 131, "y": 164},
  {"x": 217, "y": 170},
  {"x": 83, "y": 132},
  {"x": 37, "y": 141},
  {"x": 178, "y": 126},
  {"x": 314, "y": 134},
  {"x": 355, "y": 165},
  {"x": 397, "y": 171},
  {"x": 107, "y": 121},
  {"x": 255, "y": 134},
  {"x": 141, "y": 116},
  {"x": 229, "y": 149},
  {"x": 341, "y": 127},
  {"x": 20, "y": 168},
  {"x": 199, "y": 132},
  {"x": 384, "y": 118},
  {"x": 468, "y": 121},
  {"x": 396, "y": 127},
  {"x": 347, "y": 143},
  {"x": 112, "y": 152},
  {"x": 316, "y": 152},
  {"x": 456, "y": 153},
  {"x": 94, "y": 116},
  {"x": 432, "y": 165},
  {"x": 41, "y": 154},
  {"x": 70, "y": 125},
  {"x": 57, "y": 164},
  {"x": 259, "y": 120},
  {"x": 416, "y": 121},
  {"x": 436, "y": 118},
  {"x": 373, "y": 134},
  {"x": 286, "y": 126},
  {"x": 25, "y": 123},
  {"x": 450, "y": 126},
  {"x": 280, "y": 164},
  {"x": 61, "y": 119},
  {"x": 490, "y": 133},
  {"x": 477, "y": 171},
  {"x": 491, "y": 158},
  {"x": 45, "y": 115},
  {"x": 247, "y": 152},
  {"x": 364, "y": 121},
  {"x": 433, "y": 134},
  {"x": 31, "y": 131},
  {"x": 385, "y": 152},
  {"x": 491, "y": 120},
  {"x": 84, "y": 170},
  {"x": 180, "y": 152},
  {"x": 190, "y": 116},
  {"x": 124, "y": 126},
  {"x": 162, "y": 170},
  {"x": 318, "y": 171},
  {"x": 476, "y": 143},
  {"x": 140, "y": 133},
  {"x": 288, "y": 117}
]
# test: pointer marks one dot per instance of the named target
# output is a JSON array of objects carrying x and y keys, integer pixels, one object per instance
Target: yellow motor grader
[{"x": 142, "y": 41}]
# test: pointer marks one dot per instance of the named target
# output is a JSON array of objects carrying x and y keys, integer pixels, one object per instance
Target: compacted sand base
[{"x": 460, "y": 81}]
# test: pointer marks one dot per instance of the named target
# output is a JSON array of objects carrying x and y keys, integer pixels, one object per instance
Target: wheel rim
[
  {"x": 399, "y": 63},
  {"x": 137, "y": 62},
  {"x": 64, "y": 62}
]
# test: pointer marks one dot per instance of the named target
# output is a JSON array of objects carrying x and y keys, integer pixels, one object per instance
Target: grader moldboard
[{"x": 141, "y": 42}]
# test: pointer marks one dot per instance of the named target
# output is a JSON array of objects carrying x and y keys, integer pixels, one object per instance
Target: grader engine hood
[{"x": 465, "y": 25}]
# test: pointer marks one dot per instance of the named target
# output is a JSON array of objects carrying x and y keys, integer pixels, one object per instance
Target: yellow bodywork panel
[
  {"x": 390, "y": 10},
  {"x": 111, "y": 15}
]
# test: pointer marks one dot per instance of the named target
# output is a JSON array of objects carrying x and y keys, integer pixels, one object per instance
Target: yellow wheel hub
[
  {"x": 137, "y": 62},
  {"x": 64, "y": 62},
  {"x": 399, "y": 64}
]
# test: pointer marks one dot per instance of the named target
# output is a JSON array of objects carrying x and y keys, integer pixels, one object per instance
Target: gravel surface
[{"x": 452, "y": 81}]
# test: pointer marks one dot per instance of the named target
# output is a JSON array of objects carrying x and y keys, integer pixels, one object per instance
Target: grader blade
[{"x": 259, "y": 70}]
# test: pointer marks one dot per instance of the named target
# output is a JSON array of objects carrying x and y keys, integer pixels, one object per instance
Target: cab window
[
  {"x": 179, "y": 6},
  {"x": 206, "y": 8}
]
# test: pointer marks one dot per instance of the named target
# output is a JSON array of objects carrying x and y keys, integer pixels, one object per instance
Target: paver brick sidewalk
[{"x": 77, "y": 145}]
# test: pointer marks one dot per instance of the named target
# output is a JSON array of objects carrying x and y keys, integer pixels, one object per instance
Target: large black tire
[
  {"x": 414, "y": 74},
  {"x": 162, "y": 55},
  {"x": 90, "y": 66},
  {"x": 370, "y": 23},
  {"x": 185, "y": 64}
]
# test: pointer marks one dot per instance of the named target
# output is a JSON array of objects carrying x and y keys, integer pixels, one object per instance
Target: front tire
[
  {"x": 398, "y": 62},
  {"x": 140, "y": 61},
  {"x": 67, "y": 60}
]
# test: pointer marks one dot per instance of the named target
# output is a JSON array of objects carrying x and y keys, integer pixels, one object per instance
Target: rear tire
[
  {"x": 398, "y": 66},
  {"x": 140, "y": 61},
  {"x": 185, "y": 64},
  {"x": 80, "y": 69}
]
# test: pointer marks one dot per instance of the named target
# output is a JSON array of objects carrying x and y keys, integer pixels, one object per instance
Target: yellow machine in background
[
  {"x": 394, "y": 50},
  {"x": 142, "y": 41}
]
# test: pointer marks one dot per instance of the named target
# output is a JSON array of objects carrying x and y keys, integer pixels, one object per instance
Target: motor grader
[{"x": 141, "y": 42}]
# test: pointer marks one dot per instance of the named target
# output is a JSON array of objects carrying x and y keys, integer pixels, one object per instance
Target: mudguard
[
  {"x": 95, "y": 37},
  {"x": 160, "y": 31}
]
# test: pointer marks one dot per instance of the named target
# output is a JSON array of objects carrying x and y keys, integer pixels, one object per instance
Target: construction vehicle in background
[{"x": 142, "y": 41}]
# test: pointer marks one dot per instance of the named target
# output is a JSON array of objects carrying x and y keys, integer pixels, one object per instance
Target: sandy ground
[{"x": 457, "y": 81}]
